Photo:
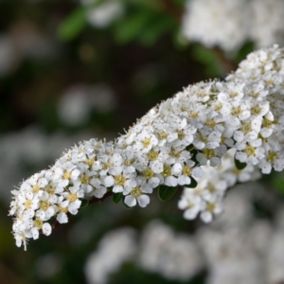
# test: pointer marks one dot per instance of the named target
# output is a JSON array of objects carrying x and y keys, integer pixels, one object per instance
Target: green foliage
[
  {"x": 278, "y": 183},
  {"x": 117, "y": 197},
  {"x": 166, "y": 193},
  {"x": 73, "y": 25},
  {"x": 239, "y": 165},
  {"x": 208, "y": 57},
  {"x": 193, "y": 183},
  {"x": 143, "y": 25}
]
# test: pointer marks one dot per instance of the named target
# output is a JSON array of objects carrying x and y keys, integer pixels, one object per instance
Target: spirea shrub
[{"x": 205, "y": 139}]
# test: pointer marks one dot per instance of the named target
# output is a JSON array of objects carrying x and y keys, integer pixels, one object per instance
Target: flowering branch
[{"x": 192, "y": 140}]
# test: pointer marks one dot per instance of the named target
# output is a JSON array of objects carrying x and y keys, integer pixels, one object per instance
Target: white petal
[
  {"x": 143, "y": 200},
  {"x": 206, "y": 217},
  {"x": 62, "y": 218},
  {"x": 130, "y": 201},
  {"x": 46, "y": 229},
  {"x": 109, "y": 181}
]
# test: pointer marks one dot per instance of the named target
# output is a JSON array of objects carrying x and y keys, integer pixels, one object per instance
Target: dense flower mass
[
  {"x": 193, "y": 137},
  {"x": 228, "y": 24}
]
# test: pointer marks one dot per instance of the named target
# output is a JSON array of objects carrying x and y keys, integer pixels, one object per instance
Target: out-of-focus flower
[
  {"x": 275, "y": 257},
  {"x": 115, "y": 248},
  {"x": 78, "y": 102},
  {"x": 228, "y": 24},
  {"x": 48, "y": 265},
  {"x": 8, "y": 55},
  {"x": 30, "y": 42},
  {"x": 267, "y": 25},
  {"x": 175, "y": 256},
  {"x": 223, "y": 23},
  {"x": 231, "y": 256},
  {"x": 101, "y": 15}
]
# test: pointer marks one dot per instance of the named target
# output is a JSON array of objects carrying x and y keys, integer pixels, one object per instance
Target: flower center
[
  {"x": 167, "y": 171},
  {"x": 186, "y": 170},
  {"x": 136, "y": 192},
  {"x": 153, "y": 155},
  {"x": 148, "y": 173},
  {"x": 44, "y": 205},
  {"x": 72, "y": 197},
  {"x": 85, "y": 179},
  {"x": 250, "y": 150},
  {"x": 146, "y": 142},
  {"x": 119, "y": 180}
]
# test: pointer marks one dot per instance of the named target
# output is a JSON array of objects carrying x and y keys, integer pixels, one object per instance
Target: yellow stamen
[
  {"x": 72, "y": 197},
  {"x": 186, "y": 170},
  {"x": 119, "y": 180},
  {"x": 148, "y": 173},
  {"x": 44, "y": 205},
  {"x": 136, "y": 192},
  {"x": 153, "y": 155},
  {"x": 250, "y": 150},
  {"x": 85, "y": 179},
  {"x": 167, "y": 171}
]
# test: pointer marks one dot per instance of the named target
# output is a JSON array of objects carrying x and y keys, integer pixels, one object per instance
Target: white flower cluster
[
  {"x": 207, "y": 197},
  {"x": 230, "y": 23},
  {"x": 114, "y": 249},
  {"x": 173, "y": 255},
  {"x": 238, "y": 247},
  {"x": 157, "y": 249},
  {"x": 169, "y": 146},
  {"x": 244, "y": 248}
]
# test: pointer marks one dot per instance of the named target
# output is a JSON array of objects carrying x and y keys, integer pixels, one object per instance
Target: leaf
[
  {"x": 278, "y": 183},
  {"x": 239, "y": 165},
  {"x": 117, "y": 197},
  {"x": 72, "y": 25},
  {"x": 193, "y": 183},
  {"x": 207, "y": 57},
  {"x": 130, "y": 28},
  {"x": 166, "y": 193},
  {"x": 155, "y": 29}
]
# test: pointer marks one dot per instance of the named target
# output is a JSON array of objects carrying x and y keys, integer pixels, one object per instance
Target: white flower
[
  {"x": 211, "y": 208},
  {"x": 191, "y": 204},
  {"x": 145, "y": 141},
  {"x": 120, "y": 181},
  {"x": 138, "y": 194},
  {"x": 65, "y": 174},
  {"x": 72, "y": 197}
]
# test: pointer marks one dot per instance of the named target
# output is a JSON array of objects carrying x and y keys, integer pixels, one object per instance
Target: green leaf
[
  {"x": 155, "y": 29},
  {"x": 130, "y": 28},
  {"x": 193, "y": 183},
  {"x": 166, "y": 193},
  {"x": 207, "y": 57},
  {"x": 72, "y": 25},
  {"x": 239, "y": 165},
  {"x": 117, "y": 197},
  {"x": 278, "y": 183}
]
